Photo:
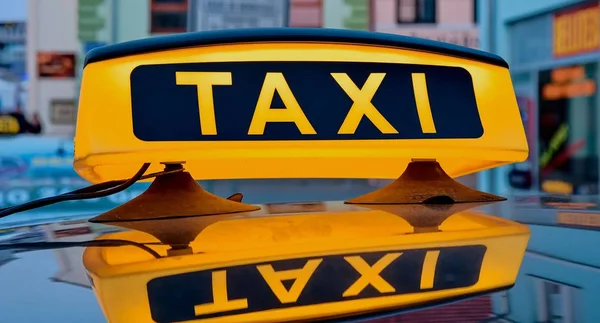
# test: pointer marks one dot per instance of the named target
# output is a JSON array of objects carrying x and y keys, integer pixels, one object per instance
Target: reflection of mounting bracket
[
  {"x": 424, "y": 181},
  {"x": 177, "y": 232},
  {"x": 173, "y": 195},
  {"x": 424, "y": 217},
  {"x": 178, "y": 199}
]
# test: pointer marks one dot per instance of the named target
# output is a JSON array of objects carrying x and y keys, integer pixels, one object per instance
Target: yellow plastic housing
[
  {"x": 341, "y": 262},
  {"x": 307, "y": 107}
]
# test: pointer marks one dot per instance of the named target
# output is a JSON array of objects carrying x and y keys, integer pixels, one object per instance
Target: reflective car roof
[{"x": 55, "y": 283}]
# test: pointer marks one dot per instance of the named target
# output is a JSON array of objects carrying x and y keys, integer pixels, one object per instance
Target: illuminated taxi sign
[
  {"x": 294, "y": 103},
  {"x": 344, "y": 101},
  {"x": 311, "y": 281}
]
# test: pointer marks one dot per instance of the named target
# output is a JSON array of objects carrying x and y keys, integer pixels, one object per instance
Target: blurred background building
[
  {"x": 232, "y": 14},
  {"x": 553, "y": 47},
  {"x": 13, "y": 19},
  {"x": 51, "y": 63},
  {"x": 451, "y": 21}
]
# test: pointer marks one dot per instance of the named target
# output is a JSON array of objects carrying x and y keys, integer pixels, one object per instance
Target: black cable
[
  {"x": 80, "y": 194},
  {"x": 109, "y": 184},
  {"x": 63, "y": 197},
  {"x": 90, "y": 243}
]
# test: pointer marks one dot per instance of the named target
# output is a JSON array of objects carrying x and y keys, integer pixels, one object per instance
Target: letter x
[
  {"x": 362, "y": 105},
  {"x": 370, "y": 275}
]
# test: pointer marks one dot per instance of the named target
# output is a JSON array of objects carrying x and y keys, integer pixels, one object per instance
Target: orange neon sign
[
  {"x": 571, "y": 90},
  {"x": 577, "y": 31},
  {"x": 568, "y": 82}
]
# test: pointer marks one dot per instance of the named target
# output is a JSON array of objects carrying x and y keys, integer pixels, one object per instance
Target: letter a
[
  {"x": 301, "y": 276},
  {"x": 292, "y": 112}
]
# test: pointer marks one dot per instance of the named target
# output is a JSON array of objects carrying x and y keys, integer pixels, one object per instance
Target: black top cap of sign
[{"x": 191, "y": 39}]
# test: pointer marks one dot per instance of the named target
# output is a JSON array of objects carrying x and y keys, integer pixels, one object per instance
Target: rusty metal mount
[
  {"x": 424, "y": 181},
  {"x": 174, "y": 209}
]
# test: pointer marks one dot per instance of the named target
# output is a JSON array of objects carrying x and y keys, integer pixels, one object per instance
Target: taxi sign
[
  {"x": 319, "y": 280},
  {"x": 333, "y": 264},
  {"x": 294, "y": 103}
]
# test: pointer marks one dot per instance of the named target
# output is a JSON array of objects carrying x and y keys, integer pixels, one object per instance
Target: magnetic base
[
  {"x": 424, "y": 181},
  {"x": 172, "y": 196},
  {"x": 174, "y": 209}
]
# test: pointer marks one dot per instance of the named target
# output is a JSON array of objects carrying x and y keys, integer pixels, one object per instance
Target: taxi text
[
  {"x": 309, "y": 281},
  {"x": 302, "y": 101}
]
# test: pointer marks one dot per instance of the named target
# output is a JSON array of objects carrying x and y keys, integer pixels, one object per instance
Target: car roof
[{"x": 63, "y": 290}]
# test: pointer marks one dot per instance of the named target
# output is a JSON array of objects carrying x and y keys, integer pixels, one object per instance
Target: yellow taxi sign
[
  {"x": 339, "y": 263},
  {"x": 294, "y": 103},
  {"x": 314, "y": 281}
]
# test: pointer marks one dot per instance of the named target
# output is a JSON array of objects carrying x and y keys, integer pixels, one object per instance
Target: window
[
  {"x": 568, "y": 130},
  {"x": 169, "y": 22},
  {"x": 63, "y": 112},
  {"x": 555, "y": 302},
  {"x": 503, "y": 303},
  {"x": 303, "y": 13},
  {"x": 168, "y": 16},
  {"x": 169, "y": 5},
  {"x": 416, "y": 11}
]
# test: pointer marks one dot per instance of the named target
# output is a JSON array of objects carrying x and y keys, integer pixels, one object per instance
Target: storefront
[{"x": 555, "y": 64}]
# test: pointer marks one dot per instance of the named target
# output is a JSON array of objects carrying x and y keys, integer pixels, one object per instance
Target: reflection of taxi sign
[
  {"x": 344, "y": 262},
  {"x": 293, "y": 103},
  {"x": 312, "y": 281},
  {"x": 297, "y": 103}
]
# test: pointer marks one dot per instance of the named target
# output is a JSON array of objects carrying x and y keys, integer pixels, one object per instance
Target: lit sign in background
[
  {"x": 567, "y": 83},
  {"x": 56, "y": 65},
  {"x": 579, "y": 219},
  {"x": 577, "y": 31},
  {"x": 563, "y": 169}
]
